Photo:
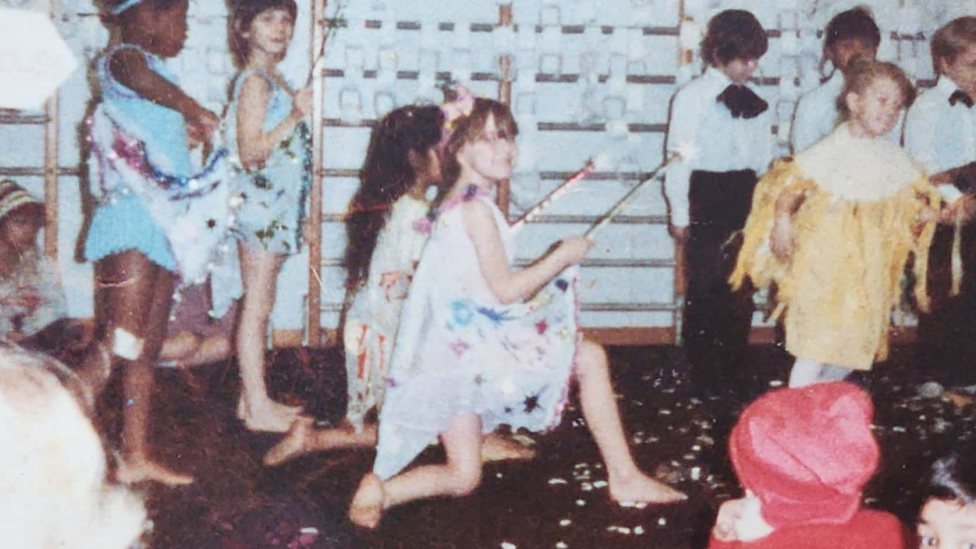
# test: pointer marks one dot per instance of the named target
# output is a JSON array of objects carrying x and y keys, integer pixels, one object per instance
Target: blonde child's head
[
  {"x": 954, "y": 52},
  {"x": 54, "y": 488},
  {"x": 875, "y": 93},
  {"x": 251, "y": 18},
  {"x": 947, "y": 518},
  {"x": 734, "y": 43},
  {"x": 485, "y": 135},
  {"x": 849, "y": 35},
  {"x": 160, "y": 26}
]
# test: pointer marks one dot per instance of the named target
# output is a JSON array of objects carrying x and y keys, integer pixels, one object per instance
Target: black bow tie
[
  {"x": 958, "y": 96},
  {"x": 742, "y": 102}
]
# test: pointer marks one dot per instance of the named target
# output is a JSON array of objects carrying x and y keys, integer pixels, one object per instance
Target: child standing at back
[
  {"x": 469, "y": 356},
  {"x": 157, "y": 219},
  {"x": 265, "y": 127},
  {"x": 720, "y": 128},
  {"x": 849, "y": 35},
  {"x": 940, "y": 132},
  {"x": 834, "y": 227}
]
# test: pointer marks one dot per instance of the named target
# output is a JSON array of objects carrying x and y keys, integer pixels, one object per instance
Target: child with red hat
[{"x": 803, "y": 456}]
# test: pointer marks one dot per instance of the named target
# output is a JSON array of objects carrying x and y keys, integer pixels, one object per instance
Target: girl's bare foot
[
  {"x": 366, "y": 509},
  {"x": 639, "y": 488},
  {"x": 500, "y": 448},
  {"x": 292, "y": 445},
  {"x": 136, "y": 470},
  {"x": 269, "y": 416}
]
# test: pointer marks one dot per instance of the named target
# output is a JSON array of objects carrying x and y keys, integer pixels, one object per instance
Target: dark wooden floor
[{"x": 557, "y": 500}]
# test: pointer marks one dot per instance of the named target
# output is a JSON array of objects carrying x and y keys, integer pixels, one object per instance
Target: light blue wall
[{"x": 632, "y": 44}]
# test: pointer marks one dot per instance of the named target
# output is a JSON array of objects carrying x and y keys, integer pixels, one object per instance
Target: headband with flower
[{"x": 454, "y": 110}]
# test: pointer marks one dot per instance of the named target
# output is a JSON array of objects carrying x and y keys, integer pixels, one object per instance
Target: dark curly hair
[
  {"x": 243, "y": 13},
  {"x": 731, "y": 35},
  {"x": 952, "y": 478},
  {"x": 386, "y": 176},
  {"x": 853, "y": 24}
]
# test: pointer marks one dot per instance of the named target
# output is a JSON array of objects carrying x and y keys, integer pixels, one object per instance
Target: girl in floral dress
[
  {"x": 384, "y": 247},
  {"x": 387, "y": 228},
  {"x": 471, "y": 355}
]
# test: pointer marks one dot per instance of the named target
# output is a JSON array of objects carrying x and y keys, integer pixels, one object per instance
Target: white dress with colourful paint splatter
[
  {"x": 372, "y": 319},
  {"x": 460, "y": 351}
]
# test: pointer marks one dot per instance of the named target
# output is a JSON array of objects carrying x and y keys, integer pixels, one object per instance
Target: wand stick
[
  {"x": 562, "y": 189},
  {"x": 331, "y": 24},
  {"x": 623, "y": 202}
]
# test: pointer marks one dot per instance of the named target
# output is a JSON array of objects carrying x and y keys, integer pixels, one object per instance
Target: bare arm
[
  {"x": 788, "y": 203},
  {"x": 963, "y": 176},
  {"x": 254, "y": 144},
  {"x": 782, "y": 241},
  {"x": 507, "y": 285},
  {"x": 129, "y": 68}
]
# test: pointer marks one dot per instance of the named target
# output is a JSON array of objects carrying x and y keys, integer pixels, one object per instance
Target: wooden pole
[
  {"x": 51, "y": 169},
  {"x": 314, "y": 236},
  {"x": 505, "y": 19},
  {"x": 685, "y": 58},
  {"x": 51, "y": 176}
]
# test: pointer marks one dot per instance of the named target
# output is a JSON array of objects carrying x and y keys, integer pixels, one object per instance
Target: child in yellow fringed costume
[{"x": 834, "y": 227}]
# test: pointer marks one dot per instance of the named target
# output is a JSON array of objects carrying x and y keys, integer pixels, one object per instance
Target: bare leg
[
  {"x": 210, "y": 350},
  {"x": 805, "y": 372},
  {"x": 136, "y": 297},
  {"x": 179, "y": 347},
  {"x": 458, "y": 477},
  {"x": 627, "y": 482},
  {"x": 259, "y": 270},
  {"x": 496, "y": 447},
  {"x": 303, "y": 438},
  {"x": 213, "y": 349}
]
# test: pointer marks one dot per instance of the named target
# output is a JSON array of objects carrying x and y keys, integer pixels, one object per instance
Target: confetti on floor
[{"x": 560, "y": 499}]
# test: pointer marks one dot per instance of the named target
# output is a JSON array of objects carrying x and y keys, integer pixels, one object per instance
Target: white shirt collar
[
  {"x": 946, "y": 86},
  {"x": 716, "y": 79},
  {"x": 836, "y": 81}
]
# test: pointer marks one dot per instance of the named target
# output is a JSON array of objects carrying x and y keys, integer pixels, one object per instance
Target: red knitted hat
[{"x": 806, "y": 453}]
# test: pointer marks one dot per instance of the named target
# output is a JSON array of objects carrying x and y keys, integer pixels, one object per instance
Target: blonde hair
[
  {"x": 863, "y": 72},
  {"x": 952, "y": 39},
  {"x": 55, "y": 493}
]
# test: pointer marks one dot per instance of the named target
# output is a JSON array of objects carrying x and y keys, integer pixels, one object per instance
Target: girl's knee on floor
[{"x": 465, "y": 477}]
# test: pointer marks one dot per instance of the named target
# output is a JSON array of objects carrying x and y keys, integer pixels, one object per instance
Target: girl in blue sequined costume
[
  {"x": 157, "y": 218},
  {"x": 265, "y": 127},
  {"x": 471, "y": 355}
]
